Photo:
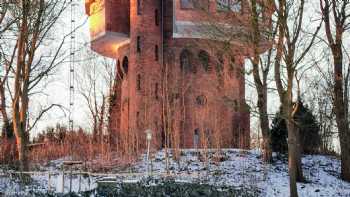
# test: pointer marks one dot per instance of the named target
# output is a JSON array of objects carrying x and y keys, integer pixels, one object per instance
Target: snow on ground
[
  {"x": 233, "y": 167},
  {"x": 245, "y": 169}
]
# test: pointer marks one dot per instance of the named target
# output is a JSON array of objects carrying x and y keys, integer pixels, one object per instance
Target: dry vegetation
[{"x": 59, "y": 143}]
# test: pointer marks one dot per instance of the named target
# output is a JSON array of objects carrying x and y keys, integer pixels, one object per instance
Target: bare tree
[
  {"x": 30, "y": 67},
  {"x": 336, "y": 15},
  {"x": 96, "y": 87},
  {"x": 260, "y": 73},
  {"x": 6, "y": 23},
  {"x": 291, "y": 51},
  {"x": 320, "y": 97}
]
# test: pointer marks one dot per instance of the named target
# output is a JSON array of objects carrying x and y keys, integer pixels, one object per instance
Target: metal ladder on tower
[{"x": 73, "y": 4}]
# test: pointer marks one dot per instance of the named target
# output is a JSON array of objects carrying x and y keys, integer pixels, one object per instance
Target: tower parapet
[{"x": 220, "y": 20}]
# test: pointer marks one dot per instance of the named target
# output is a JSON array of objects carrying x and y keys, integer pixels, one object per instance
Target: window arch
[
  {"x": 125, "y": 65},
  {"x": 204, "y": 58},
  {"x": 186, "y": 62}
]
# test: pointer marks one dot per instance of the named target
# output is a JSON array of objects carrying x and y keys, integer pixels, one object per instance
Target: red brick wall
[
  {"x": 118, "y": 16},
  {"x": 145, "y": 109},
  {"x": 222, "y": 90},
  {"x": 137, "y": 108}
]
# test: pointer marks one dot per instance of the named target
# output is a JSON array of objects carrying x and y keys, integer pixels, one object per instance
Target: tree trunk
[
  {"x": 345, "y": 151},
  {"x": 94, "y": 129},
  {"x": 344, "y": 136},
  {"x": 5, "y": 120},
  {"x": 292, "y": 158},
  {"x": 260, "y": 85},
  {"x": 300, "y": 175},
  {"x": 264, "y": 124},
  {"x": 341, "y": 119},
  {"x": 21, "y": 141},
  {"x": 335, "y": 42}
]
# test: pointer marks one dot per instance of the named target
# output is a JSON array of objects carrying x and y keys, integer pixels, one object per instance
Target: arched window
[
  {"x": 119, "y": 70},
  {"x": 125, "y": 65},
  {"x": 203, "y": 57},
  {"x": 186, "y": 61}
]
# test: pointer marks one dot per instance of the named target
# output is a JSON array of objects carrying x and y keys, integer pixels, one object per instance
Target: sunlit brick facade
[{"x": 179, "y": 70}]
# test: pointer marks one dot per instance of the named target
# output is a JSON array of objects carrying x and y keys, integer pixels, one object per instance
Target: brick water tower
[{"x": 179, "y": 69}]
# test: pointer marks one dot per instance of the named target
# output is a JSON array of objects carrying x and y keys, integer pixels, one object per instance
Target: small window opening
[
  {"x": 201, "y": 100},
  {"x": 138, "y": 7},
  {"x": 156, "y": 17},
  {"x": 156, "y": 91},
  {"x": 125, "y": 65},
  {"x": 138, "y": 82},
  {"x": 156, "y": 52},
  {"x": 138, "y": 44}
]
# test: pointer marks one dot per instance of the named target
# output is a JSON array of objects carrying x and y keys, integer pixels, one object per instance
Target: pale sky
[{"x": 58, "y": 89}]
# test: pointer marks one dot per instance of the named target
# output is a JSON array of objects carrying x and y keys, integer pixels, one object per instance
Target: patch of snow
[
  {"x": 236, "y": 168},
  {"x": 245, "y": 169}
]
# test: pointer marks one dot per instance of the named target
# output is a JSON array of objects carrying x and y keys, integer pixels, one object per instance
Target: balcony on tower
[{"x": 109, "y": 23}]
